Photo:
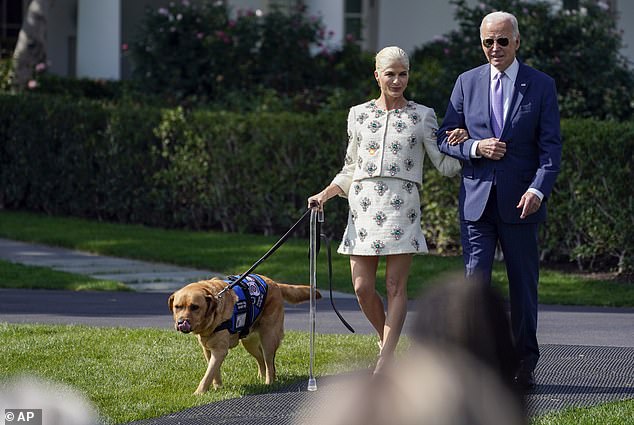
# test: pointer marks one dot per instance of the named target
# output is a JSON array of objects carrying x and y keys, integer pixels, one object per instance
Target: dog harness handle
[{"x": 267, "y": 255}]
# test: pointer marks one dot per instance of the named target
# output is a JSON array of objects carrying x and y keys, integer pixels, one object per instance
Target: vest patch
[{"x": 251, "y": 294}]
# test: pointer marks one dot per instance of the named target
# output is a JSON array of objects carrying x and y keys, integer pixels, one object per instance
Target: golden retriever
[{"x": 197, "y": 308}]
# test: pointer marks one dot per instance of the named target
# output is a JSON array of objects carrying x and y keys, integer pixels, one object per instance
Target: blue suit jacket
[{"x": 532, "y": 136}]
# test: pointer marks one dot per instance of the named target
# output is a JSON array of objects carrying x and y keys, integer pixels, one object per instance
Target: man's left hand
[{"x": 529, "y": 204}]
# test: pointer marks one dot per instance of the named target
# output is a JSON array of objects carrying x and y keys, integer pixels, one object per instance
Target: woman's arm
[{"x": 445, "y": 164}]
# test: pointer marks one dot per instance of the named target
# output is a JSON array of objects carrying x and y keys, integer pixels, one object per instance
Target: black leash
[
  {"x": 267, "y": 255},
  {"x": 276, "y": 246}
]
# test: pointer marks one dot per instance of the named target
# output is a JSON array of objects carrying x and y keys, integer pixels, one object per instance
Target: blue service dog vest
[{"x": 251, "y": 294}]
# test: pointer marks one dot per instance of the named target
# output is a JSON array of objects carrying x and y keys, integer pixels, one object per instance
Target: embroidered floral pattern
[
  {"x": 374, "y": 227},
  {"x": 408, "y": 186},
  {"x": 379, "y": 218},
  {"x": 378, "y": 246},
  {"x": 374, "y": 126},
  {"x": 374, "y": 108},
  {"x": 399, "y": 125},
  {"x": 415, "y": 244},
  {"x": 370, "y": 168},
  {"x": 409, "y": 164},
  {"x": 373, "y": 146},
  {"x": 397, "y": 232},
  {"x": 411, "y": 215},
  {"x": 393, "y": 169},
  {"x": 397, "y": 202},
  {"x": 395, "y": 147},
  {"x": 380, "y": 187}
]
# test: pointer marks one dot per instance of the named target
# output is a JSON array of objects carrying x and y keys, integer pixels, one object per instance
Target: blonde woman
[{"x": 381, "y": 177}]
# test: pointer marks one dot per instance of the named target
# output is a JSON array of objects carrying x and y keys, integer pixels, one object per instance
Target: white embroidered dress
[{"x": 382, "y": 175}]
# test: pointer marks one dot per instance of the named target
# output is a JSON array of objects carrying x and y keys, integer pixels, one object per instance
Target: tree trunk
[{"x": 31, "y": 46}]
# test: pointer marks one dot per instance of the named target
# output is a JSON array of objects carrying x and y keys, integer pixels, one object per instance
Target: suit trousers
[{"x": 519, "y": 244}]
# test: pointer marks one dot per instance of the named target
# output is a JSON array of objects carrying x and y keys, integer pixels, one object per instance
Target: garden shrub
[
  {"x": 195, "y": 52},
  {"x": 591, "y": 213}
]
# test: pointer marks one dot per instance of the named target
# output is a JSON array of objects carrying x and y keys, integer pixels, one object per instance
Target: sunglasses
[{"x": 502, "y": 41}]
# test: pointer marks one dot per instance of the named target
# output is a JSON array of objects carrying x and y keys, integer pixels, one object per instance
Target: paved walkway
[
  {"x": 588, "y": 352},
  {"x": 139, "y": 275}
]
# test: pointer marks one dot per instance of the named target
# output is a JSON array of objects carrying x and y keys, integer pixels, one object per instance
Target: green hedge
[
  {"x": 252, "y": 172},
  {"x": 202, "y": 170},
  {"x": 591, "y": 213}
]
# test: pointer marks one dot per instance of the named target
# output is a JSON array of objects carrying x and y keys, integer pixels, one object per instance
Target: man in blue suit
[{"x": 510, "y": 162}]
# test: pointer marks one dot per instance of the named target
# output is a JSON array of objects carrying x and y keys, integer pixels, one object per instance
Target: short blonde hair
[{"x": 388, "y": 55}]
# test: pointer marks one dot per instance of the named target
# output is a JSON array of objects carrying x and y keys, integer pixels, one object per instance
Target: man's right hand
[{"x": 492, "y": 148}]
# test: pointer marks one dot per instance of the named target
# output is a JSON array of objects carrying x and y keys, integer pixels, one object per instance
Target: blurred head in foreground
[
  {"x": 428, "y": 386},
  {"x": 457, "y": 371},
  {"x": 60, "y": 404},
  {"x": 468, "y": 316}
]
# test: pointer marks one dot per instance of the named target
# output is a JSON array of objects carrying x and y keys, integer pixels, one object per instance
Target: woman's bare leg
[
  {"x": 363, "y": 270},
  {"x": 396, "y": 274}
]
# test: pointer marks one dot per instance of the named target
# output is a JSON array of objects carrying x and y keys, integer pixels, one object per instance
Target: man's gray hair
[{"x": 501, "y": 16}]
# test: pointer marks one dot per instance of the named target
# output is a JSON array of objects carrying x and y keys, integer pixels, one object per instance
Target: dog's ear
[
  {"x": 211, "y": 304},
  {"x": 170, "y": 302}
]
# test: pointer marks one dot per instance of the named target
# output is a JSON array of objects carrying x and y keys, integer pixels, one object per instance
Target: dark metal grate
[
  {"x": 572, "y": 375},
  {"x": 567, "y": 376}
]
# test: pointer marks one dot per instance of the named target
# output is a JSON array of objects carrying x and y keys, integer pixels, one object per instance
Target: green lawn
[
  {"x": 134, "y": 374},
  {"x": 232, "y": 253},
  {"x": 616, "y": 413}
]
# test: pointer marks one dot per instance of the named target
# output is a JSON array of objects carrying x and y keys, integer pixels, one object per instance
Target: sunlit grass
[
  {"x": 133, "y": 374},
  {"x": 616, "y": 413}
]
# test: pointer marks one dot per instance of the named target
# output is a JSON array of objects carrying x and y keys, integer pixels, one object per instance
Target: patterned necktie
[{"x": 497, "y": 106}]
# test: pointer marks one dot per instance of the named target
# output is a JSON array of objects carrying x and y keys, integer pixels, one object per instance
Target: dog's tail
[{"x": 296, "y": 294}]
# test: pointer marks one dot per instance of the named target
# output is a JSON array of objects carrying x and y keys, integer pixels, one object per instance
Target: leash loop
[{"x": 332, "y": 301}]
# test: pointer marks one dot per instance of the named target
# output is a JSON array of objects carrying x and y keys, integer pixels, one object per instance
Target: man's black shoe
[{"x": 524, "y": 380}]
